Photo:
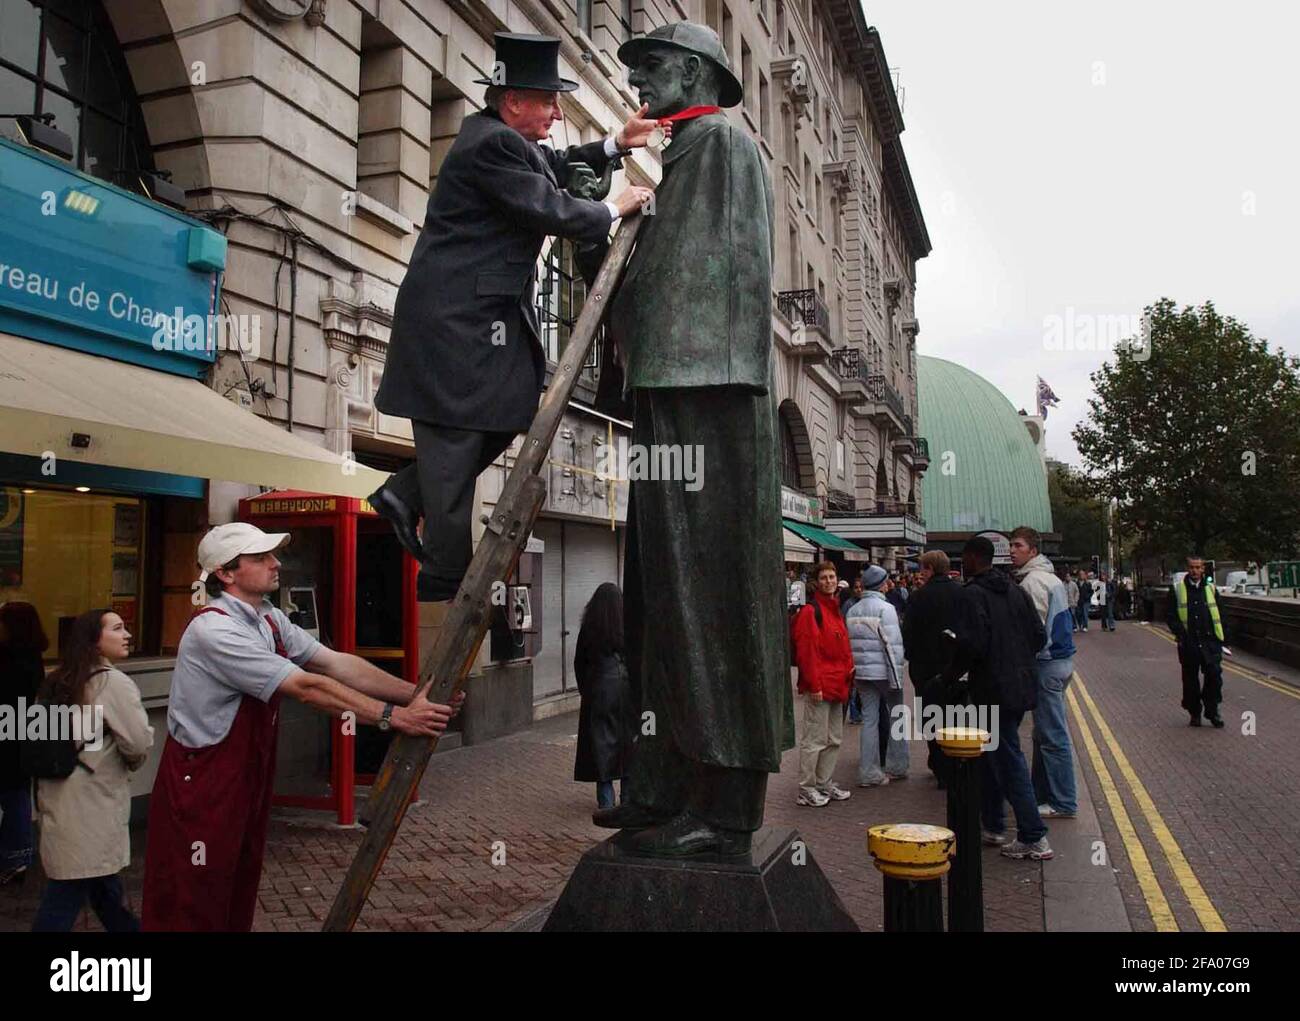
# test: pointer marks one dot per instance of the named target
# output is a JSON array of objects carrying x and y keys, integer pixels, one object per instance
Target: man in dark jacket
[
  {"x": 999, "y": 642},
  {"x": 465, "y": 361},
  {"x": 933, "y": 608},
  {"x": 1193, "y": 617},
  {"x": 1085, "y": 599}
]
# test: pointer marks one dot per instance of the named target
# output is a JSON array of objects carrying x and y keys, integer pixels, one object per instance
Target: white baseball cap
[{"x": 225, "y": 542}]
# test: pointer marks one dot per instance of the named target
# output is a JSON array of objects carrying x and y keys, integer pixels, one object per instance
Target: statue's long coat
[{"x": 692, "y": 319}]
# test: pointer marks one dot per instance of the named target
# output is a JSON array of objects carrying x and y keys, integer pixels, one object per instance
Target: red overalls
[{"x": 219, "y": 797}]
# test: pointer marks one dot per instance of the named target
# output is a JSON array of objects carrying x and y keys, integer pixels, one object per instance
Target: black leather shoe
[
  {"x": 627, "y": 816},
  {"x": 401, "y": 517},
  {"x": 685, "y": 836},
  {"x": 1195, "y": 721},
  {"x": 1216, "y": 720}
]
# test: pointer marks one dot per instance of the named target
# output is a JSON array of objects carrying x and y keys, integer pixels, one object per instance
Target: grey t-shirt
[{"x": 221, "y": 659}]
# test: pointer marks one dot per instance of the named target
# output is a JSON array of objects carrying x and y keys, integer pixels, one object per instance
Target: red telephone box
[{"x": 322, "y": 578}]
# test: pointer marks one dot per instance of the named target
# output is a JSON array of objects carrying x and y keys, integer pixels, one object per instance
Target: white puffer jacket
[{"x": 868, "y": 654}]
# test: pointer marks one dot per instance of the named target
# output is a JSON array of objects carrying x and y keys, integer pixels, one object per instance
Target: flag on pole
[{"x": 1046, "y": 398}]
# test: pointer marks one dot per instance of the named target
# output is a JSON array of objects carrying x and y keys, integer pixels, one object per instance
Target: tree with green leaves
[{"x": 1196, "y": 432}]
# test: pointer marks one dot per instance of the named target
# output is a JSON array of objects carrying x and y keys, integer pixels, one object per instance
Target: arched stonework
[
  {"x": 792, "y": 419},
  {"x": 162, "y": 79}
]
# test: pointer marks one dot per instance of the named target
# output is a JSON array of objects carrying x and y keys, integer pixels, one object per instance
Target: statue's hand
[{"x": 583, "y": 182}]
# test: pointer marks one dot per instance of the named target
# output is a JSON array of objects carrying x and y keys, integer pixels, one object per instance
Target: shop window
[
  {"x": 67, "y": 552},
  {"x": 61, "y": 57}
]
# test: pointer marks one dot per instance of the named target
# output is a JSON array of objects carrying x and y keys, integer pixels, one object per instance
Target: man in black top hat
[{"x": 465, "y": 360}]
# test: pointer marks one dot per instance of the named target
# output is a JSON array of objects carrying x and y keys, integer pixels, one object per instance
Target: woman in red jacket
[{"x": 825, "y": 661}]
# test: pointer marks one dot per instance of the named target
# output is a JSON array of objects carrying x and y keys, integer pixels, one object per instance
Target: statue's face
[{"x": 663, "y": 78}]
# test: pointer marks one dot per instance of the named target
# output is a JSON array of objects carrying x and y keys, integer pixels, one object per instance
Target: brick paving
[
  {"x": 515, "y": 795},
  {"x": 1231, "y": 799}
]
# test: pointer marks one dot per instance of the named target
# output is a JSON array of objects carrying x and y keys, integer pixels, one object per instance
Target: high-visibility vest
[{"x": 1211, "y": 602}]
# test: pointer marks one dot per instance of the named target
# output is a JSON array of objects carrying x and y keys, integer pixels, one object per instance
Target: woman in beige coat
[{"x": 84, "y": 839}]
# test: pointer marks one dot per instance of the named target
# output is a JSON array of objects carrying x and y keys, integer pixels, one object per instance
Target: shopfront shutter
[
  {"x": 548, "y": 663},
  {"x": 590, "y": 559}
]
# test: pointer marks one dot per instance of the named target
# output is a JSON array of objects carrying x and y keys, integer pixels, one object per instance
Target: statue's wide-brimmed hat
[
  {"x": 693, "y": 38},
  {"x": 528, "y": 62}
]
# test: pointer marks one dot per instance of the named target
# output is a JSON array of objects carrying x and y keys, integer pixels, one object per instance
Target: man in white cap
[{"x": 212, "y": 796}]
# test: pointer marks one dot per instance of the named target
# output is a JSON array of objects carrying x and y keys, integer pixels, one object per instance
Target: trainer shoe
[
  {"x": 811, "y": 797},
  {"x": 992, "y": 839},
  {"x": 1048, "y": 812},
  {"x": 1039, "y": 850},
  {"x": 883, "y": 781},
  {"x": 835, "y": 792}
]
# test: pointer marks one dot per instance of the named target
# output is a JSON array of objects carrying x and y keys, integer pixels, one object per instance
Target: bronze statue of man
[{"x": 705, "y": 599}]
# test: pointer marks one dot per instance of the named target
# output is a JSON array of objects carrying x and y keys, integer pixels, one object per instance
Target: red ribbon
[{"x": 689, "y": 113}]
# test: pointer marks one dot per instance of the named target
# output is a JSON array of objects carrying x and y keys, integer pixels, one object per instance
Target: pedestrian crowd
[{"x": 996, "y": 640}]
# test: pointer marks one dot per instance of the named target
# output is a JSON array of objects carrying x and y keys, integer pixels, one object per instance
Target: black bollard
[
  {"x": 913, "y": 859},
  {"x": 962, "y": 747}
]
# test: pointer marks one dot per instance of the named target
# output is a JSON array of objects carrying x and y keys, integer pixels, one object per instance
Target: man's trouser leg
[
  {"x": 1190, "y": 659},
  {"x": 834, "y": 736},
  {"x": 1053, "y": 771},
  {"x": 869, "y": 771},
  {"x": 814, "y": 738},
  {"x": 449, "y": 463},
  {"x": 897, "y": 756},
  {"x": 1013, "y": 778},
  {"x": 1212, "y": 692}
]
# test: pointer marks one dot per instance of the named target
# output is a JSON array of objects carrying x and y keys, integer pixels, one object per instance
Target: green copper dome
[{"x": 985, "y": 472}]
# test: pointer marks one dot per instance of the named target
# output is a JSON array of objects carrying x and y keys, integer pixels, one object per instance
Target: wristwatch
[{"x": 386, "y": 720}]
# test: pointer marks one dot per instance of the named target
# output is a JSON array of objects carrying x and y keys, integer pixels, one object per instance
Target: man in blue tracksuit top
[{"x": 1053, "y": 763}]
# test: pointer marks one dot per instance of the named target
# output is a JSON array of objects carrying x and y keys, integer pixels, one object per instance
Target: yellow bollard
[
  {"x": 963, "y": 745},
  {"x": 914, "y": 858}
]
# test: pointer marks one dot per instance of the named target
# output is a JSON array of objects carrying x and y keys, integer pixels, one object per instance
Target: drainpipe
[{"x": 293, "y": 318}]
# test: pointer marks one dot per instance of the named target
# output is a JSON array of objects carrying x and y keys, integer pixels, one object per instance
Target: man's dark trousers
[
  {"x": 1195, "y": 660},
  {"x": 440, "y": 488}
]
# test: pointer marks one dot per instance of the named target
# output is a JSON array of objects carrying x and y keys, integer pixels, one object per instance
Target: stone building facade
[{"x": 311, "y": 133}]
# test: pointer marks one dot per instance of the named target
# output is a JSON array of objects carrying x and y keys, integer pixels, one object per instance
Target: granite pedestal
[{"x": 777, "y": 887}]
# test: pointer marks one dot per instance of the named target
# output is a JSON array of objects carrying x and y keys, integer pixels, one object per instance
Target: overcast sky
[{"x": 1085, "y": 159}]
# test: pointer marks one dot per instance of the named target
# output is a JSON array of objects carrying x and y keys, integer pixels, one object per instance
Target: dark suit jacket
[{"x": 465, "y": 349}]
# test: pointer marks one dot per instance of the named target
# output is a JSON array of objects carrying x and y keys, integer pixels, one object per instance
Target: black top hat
[{"x": 527, "y": 62}]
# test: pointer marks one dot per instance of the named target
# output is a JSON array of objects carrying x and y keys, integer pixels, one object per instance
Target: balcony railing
[
  {"x": 805, "y": 307},
  {"x": 888, "y": 508},
  {"x": 851, "y": 363},
  {"x": 879, "y": 390},
  {"x": 922, "y": 447}
]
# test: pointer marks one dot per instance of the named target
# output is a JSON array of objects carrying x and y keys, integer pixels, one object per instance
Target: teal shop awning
[{"x": 821, "y": 537}]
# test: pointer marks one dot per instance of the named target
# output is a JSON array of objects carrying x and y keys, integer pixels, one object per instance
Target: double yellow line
[
  {"x": 1241, "y": 671},
  {"x": 1157, "y": 903}
]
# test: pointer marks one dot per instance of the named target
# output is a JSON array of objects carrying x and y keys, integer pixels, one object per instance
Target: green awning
[{"x": 820, "y": 537}]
